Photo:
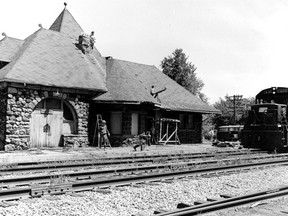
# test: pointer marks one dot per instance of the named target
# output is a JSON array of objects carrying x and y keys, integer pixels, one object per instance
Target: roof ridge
[
  {"x": 12, "y": 38},
  {"x": 134, "y": 62},
  {"x": 61, "y": 19}
]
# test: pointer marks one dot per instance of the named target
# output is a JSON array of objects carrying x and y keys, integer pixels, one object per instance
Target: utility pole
[{"x": 235, "y": 99}]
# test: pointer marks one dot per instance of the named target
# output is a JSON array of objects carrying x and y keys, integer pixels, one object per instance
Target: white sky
[{"x": 238, "y": 46}]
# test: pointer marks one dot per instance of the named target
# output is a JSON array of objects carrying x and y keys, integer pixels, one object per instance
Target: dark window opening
[
  {"x": 40, "y": 105},
  {"x": 67, "y": 114},
  {"x": 52, "y": 103}
]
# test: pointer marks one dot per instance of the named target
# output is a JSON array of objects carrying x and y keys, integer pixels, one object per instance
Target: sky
[{"x": 239, "y": 47}]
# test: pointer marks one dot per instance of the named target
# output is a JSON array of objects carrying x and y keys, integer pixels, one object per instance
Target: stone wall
[
  {"x": 82, "y": 111},
  {"x": 3, "y": 104},
  {"x": 20, "y": 105}
]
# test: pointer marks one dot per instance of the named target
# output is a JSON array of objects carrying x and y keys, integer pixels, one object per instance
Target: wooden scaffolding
[{"x": 167, "y": 125}]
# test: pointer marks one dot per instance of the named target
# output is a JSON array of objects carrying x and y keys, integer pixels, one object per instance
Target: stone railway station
[{"x": 55, "y": 82}]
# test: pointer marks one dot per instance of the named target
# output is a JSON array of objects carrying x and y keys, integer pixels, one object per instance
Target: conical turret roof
[{"x": 66, "y": 24}]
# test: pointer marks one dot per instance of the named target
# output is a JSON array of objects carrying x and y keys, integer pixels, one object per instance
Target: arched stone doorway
[{"x": 51, "y": 118}]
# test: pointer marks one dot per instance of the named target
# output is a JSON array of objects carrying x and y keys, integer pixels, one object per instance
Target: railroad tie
[
  {"x": 137, "y": 185},
  {"x": 213, "y": 199},
  {"x": 182, "y": 205},
  {"x": 226, "y": 196},
  {"x": 73, "y": 194},
  {"x": 199, "y": 202},
  {"x": 5, "y": 204},
  {"x": 151, "y": 183},
  {"x": 103, "y": 191},
  {"x": 168, "y": 181},
  {"x": 159, "y": 211}
]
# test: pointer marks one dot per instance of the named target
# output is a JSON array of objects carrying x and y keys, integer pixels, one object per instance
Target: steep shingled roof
[
  {"x": 9, "y": 46},
  {"x": 50, "y": 58},
  {"x": 123, "y": 85},
  {"x": 131, "y": 82},
  {"x": 66, "y": 24}
]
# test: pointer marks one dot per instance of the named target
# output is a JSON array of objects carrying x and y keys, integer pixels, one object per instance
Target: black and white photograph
[{"x": 143, "y": 108}]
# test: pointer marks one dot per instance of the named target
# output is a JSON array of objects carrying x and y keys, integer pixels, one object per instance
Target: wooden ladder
[{"x": 98, "y": 119}]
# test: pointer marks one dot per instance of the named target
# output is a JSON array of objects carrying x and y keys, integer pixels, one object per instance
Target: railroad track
[
  {"x": 222, "y": 202},
  {"x": 74, "y": 175},
  {"x": 159, "y": 156},
  {"x": 156, "y": 159},
  {"x": 68, "y": 186},
  {"x": 43, "y": 178}
]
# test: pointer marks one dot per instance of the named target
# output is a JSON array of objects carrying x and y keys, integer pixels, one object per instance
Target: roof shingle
[
  {"x": 9, "y": 47},
  {"x": 131, "y": 82},
  {"x": 66, "y": 24},
  {"x": 51, "y": 58}
]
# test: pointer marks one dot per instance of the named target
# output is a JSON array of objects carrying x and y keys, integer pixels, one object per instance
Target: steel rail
[
  {"x": 131, "y": 158},
  {"x": 68, "y": 165},
  {"x": 83, "y": 185},
  {"x": 20, "y": 180},
  {"x": 17, "y": 181},
  {"x": 79, "y": 186},
  {"x": 227, "y": 203}
]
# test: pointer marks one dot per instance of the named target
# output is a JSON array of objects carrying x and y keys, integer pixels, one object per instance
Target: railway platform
[{"x": 50, "y": 154}]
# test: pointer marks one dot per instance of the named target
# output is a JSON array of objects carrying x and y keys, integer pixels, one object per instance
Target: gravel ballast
[{"x": 128, "y": 200}]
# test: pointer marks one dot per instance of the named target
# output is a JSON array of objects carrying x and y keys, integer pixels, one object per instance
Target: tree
[
  {"x": 177, "y": 67},
  {"x": 226, "y": 107}
]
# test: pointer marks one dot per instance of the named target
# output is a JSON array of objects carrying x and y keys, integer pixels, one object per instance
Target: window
[
  {"x": 116, "y": 123},
  {"x": 67, "y": 114},
  {"x": 190, "y": 122},
  {"x": 186, "y": 121},
  {"x": 182, "y": 121},
  {"x": 49, "y": 103},
  {"x": 134, "y": 124},
  {"x": 52, "y": 103},
  {"x": 263, "y": 109}
]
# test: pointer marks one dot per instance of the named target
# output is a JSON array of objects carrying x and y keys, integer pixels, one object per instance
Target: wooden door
[
  {"x": 55, "y": 122},
  {"x": 37, "y": 134},
  {"x": 46, "y": 128}
]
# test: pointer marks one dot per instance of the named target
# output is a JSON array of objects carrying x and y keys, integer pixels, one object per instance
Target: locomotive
[{"x": 266, "y": 127}]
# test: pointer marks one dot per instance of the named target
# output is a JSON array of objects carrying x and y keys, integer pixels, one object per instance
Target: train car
[
  {"x": 266, "y": 125},
  {"x": 229, "y": 133}
]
